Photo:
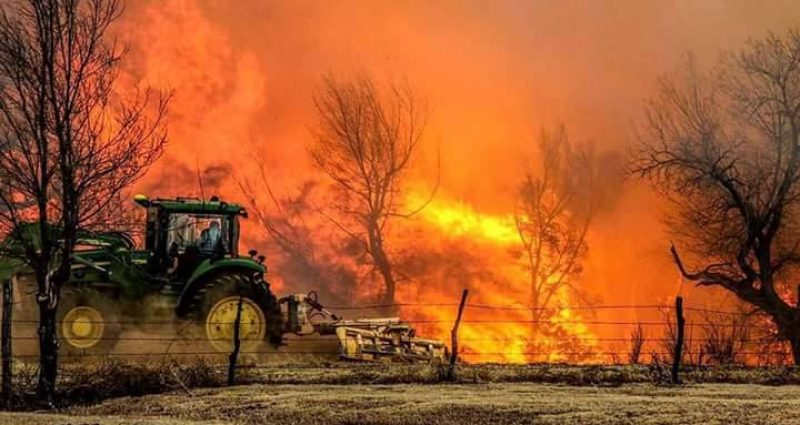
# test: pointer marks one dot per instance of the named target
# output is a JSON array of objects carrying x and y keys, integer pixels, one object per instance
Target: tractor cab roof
[{"x": 192, "y": 205}]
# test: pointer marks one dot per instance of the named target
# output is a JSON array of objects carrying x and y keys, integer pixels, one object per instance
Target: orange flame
[
  {"x": 245, "y": 75},
  {"x": 496, "y": 326}
]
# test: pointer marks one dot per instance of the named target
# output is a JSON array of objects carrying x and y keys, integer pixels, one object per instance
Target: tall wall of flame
[{"x": 243, "y": 75}]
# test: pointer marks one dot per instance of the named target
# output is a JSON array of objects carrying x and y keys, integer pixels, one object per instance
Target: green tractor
[
  {"x": 190, "y": 278},
  {"x": 189, "y": 272}
]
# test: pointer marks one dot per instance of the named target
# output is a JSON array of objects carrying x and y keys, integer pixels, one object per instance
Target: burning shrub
[
  {"x": 669, "y": 344},
  {"x": 636, "y": 344},
  {"x": 724, "y": 338}
]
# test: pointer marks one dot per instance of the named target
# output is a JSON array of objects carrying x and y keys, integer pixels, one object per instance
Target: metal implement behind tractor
[
  {"x": 190, "y": 273},
  {"x": 378, "y": 339}
]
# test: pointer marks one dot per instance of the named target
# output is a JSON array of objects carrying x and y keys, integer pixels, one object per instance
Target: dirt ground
[{"x": 442, "y": 404}]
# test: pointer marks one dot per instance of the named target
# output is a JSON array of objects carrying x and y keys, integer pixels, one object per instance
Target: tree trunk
[
  {"x": 536, "y": 312},
  {"x": 48, "y": 352},
  {"x": 793, "y": 336},
  {"x": 6, "y": 342},
  {"x": 383, "y": 265},
  {"x": 788, "y": 326},
  {"x": 385, "y": 269},
  {"x": 795, "y": 343}
]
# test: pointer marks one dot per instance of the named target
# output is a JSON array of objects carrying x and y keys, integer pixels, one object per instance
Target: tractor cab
[{"x": 181, "y": 233}]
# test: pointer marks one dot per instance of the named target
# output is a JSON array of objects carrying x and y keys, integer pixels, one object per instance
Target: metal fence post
[
  {"x": 681, "y": 322},
  {"x": 236, "y": 345},
  {"x": 451, "y": 371}
]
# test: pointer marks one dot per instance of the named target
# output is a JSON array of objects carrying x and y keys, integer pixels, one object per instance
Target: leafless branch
[{"x": 724, "y": 147}]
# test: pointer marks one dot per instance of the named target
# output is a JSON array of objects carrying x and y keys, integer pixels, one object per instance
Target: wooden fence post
[
  {"x": 678, "y": 355},
  {"x": 6, "y": 342},
  {"x": 236, "y": 345},
  {"x": 451, "y": 371}
]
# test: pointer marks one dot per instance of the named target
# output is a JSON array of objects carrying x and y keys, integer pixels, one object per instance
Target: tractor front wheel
[{"x": 87, "y": 323}]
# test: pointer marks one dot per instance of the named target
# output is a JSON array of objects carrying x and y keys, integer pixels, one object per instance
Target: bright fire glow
[
  {"x": 243, "y": 81},
  {"x": 458, "y": 219},
  {"x": 497, "y": 326}
]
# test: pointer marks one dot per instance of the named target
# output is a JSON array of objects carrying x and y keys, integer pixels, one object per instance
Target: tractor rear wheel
[
  {"x": 215, "y": 309},
  {"x": 87, "y": 323}
]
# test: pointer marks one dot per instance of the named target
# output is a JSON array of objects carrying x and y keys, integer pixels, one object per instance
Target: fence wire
[{"x": 490, "y": 335}]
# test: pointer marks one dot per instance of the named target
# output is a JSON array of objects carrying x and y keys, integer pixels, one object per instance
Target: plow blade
[
  {"x": 369, "y": 340},
  {"x": 383, "y": 340}
]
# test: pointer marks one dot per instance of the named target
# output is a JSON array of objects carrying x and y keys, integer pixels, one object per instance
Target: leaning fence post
[
  {"x": 451, "y": 371},
  {"x": 678, "y": 355},
  {"x": 6, "y": 342},
  {"x": 236, "y": 344}
]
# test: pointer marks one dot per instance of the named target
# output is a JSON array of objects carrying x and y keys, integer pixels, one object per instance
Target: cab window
[{"x": 208, "y": 233}]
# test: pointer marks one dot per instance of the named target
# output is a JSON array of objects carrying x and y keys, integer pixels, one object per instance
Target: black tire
[
  {"x": 87, "y": 323},
  {"x": 227, "y": 288}
]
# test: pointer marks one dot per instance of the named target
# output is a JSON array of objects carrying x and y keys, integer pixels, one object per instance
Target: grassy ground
[
  {"x": 112, "y": 392},
  {"x": 91, "y": 383},
  {"x": 503, "y": 403}
]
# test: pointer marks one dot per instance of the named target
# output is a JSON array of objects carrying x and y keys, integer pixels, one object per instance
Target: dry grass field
[
  {"x": 493, "y": 403},
  {"x": 335, "y": 393}
]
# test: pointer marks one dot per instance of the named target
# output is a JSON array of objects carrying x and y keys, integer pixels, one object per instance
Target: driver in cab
[{"x": 210, "y": 237}]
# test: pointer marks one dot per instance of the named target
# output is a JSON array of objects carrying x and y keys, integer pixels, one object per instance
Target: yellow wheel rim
[
  {"x": 222, "y": 317},
  {"x": 82, "y": 327}
]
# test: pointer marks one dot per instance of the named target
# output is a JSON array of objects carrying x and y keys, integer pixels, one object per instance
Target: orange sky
[{"x": 492, "y": 72}]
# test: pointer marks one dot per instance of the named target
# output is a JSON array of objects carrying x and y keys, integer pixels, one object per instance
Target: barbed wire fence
[{"x": 490, "y": 333}]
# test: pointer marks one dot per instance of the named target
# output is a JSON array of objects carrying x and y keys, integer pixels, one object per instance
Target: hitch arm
[{"x": 90, "y": 264}]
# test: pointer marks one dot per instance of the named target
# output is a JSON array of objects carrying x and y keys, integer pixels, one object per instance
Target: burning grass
[{"x": 458, "y": 246}]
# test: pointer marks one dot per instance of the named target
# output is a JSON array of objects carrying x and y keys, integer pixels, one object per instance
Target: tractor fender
[{"x": 207, "y": 269}]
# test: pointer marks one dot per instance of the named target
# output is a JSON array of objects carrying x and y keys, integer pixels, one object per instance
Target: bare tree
[
  {"x": 69, "y": 143},
  {"x": 724, "y": 146},
  {"x": 555, "y": 209},
  {"x": 365, "y": 142}
]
